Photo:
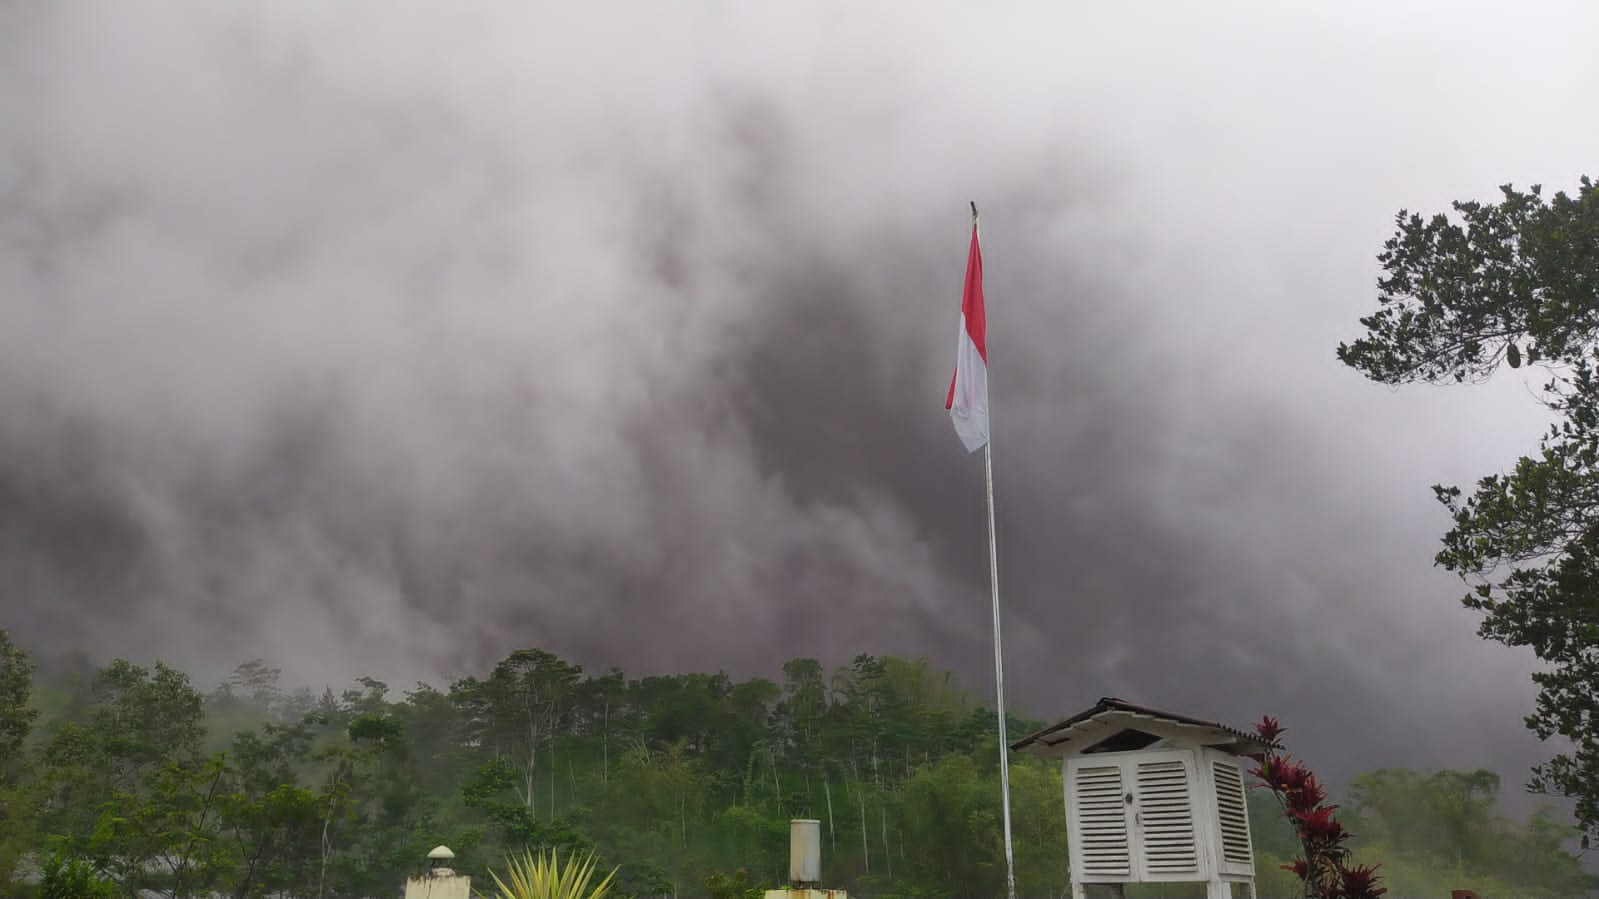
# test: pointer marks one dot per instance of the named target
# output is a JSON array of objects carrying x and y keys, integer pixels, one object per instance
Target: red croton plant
[{"x": 1323, "y": 869}]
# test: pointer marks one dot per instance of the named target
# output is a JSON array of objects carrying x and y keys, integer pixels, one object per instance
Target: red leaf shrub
[{"x": 1323, "y": 868}]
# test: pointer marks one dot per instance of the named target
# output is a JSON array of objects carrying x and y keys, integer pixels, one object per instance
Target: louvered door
[
  {"x": 1164, "y": 816},
  {"x": 1237, "y": 855},
  {"x": 1097, "y": 818}
]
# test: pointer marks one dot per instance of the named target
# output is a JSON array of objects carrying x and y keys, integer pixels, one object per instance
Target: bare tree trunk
[
  {"x": 530, "y": 706},
  {"x": 860, "y": 796},
  {"x": 832, "y": 833},
  {"x": 327, "y": 822},
  {"x": 554, "y": 711},
  {"x": 605, "y": 745},
  {"x": 866, "y": 852},
  {"x": 777, "y": 786},
  {"x": 888, "y": 859},
  {"x": 532, "y": 765}
]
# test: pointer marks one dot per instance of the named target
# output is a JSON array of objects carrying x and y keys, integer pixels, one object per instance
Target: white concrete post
[{"x": 441, "y": 881}]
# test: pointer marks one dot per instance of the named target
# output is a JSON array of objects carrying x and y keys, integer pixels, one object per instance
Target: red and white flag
[{"x": 968, "y": 389}]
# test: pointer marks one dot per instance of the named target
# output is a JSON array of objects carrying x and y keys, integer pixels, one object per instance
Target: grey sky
[{"x": 385, "y": 338}]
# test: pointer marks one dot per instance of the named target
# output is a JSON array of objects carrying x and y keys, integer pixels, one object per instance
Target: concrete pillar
[{"x": 441, "y": 881}]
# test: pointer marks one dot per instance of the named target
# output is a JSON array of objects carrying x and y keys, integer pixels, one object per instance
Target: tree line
[{"x": 123, "y": 778}]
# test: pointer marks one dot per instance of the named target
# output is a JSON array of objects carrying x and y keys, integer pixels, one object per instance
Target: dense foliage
[
  {"x": 1516, "y": 283},
  {"x": 133, "y": 779}
]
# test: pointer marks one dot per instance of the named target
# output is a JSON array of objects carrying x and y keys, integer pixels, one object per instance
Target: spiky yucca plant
[{"x": 543, "y": 876}]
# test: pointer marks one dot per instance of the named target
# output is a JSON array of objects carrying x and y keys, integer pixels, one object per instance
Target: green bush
[{"x": 73, "y": 878}]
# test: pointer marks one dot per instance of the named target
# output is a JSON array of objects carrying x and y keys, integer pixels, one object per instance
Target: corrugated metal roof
[{"x": 1245, "y": 741}]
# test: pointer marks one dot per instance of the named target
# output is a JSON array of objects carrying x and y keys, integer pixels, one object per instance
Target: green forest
[{"x": 124, "y": 778}]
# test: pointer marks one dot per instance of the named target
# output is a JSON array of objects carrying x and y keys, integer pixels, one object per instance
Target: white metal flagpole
[
  {"x": 999, "y": 656},
  {"x": 999, "y": 672}
]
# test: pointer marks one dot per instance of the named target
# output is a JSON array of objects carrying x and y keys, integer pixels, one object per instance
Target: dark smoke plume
[{"x": 384, "y": 339}]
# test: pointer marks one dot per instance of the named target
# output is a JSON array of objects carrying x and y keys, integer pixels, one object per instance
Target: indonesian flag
[{"x": 968, "y": 389}]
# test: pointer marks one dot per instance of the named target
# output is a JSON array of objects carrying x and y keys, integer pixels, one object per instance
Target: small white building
[{"x": 1153, "y": 797}]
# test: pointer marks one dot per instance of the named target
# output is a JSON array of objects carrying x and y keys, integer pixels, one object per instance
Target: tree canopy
[
  {"x": 131, "y": 781},
  {"x": 1515, "y": 283}
]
